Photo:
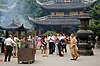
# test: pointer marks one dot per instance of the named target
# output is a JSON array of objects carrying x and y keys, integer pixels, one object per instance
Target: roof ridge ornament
[
  {"x": 30, "y": 18},
  {"x": 38, "y": 19},
  {"x": 39, "y": 2}
]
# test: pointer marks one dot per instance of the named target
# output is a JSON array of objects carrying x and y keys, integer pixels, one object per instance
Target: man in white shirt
[
  {"x": 9, "y": 44},
  {"x": 61, "y": 37},
  {"x": 51, "y": 43}
]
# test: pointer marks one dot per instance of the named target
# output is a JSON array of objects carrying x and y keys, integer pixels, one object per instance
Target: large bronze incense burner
[{"x": 85, "y": 37}]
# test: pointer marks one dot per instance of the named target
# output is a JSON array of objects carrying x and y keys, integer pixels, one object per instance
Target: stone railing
[{"x": 59, "y": 17}]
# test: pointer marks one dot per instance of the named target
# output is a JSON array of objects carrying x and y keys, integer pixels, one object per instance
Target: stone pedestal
[{"x": 85, "y": 49}]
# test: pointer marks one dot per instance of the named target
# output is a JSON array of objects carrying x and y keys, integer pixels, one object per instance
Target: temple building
[{"x": 61, "y": 15}]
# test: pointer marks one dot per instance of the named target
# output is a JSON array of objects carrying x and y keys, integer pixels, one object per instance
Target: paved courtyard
[{"x": 54, "y": 60}]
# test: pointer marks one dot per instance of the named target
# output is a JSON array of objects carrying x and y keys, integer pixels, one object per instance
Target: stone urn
[{"x": 85, "y": 36}]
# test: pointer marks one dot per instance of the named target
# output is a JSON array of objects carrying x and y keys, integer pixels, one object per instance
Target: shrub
[{"x": 48, "y": 33}]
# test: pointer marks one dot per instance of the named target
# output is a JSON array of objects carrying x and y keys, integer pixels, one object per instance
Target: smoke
[{"x": 19, "y": 13}]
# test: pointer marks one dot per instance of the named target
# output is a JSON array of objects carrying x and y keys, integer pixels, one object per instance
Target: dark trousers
[
  {"x": 2, "y": 47},
  {"x": 60, "y": 49},
  {"x": 51, "y": 47},
  {"x": 8, "y": 53},
  {"x": 64, "y": 48}
]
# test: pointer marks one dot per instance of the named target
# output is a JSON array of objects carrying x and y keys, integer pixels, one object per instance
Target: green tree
[
  {"x": 95, "y": 22},
  {"x": 48, "y": 33}
]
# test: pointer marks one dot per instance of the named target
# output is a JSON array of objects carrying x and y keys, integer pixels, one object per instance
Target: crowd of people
[
  {"x": 58, "y": 45},
  {"x": 47, "y": 44}
]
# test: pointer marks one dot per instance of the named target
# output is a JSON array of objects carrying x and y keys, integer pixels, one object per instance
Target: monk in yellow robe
[{"x": 73, "y": 49}]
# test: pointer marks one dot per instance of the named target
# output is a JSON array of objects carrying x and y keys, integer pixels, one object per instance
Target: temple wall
[
  {"x": 52, "y": 13},
  {"x": 60, "y": 13},
  {"x": 57, "y": 13},
  {"x": 70, "y": 13},
  {"x": 73, "y": 13}
]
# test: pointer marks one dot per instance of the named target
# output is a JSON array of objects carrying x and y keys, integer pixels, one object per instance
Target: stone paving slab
[{"x": 54, "y": 60}]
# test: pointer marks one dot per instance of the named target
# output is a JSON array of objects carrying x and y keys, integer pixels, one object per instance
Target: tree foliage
[
  {"x": 95, "y": 22},
  {"x": 48, "y": 33}
]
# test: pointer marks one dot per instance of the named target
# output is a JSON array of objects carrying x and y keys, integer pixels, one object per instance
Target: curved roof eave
[{"x": 56, "y": 22}]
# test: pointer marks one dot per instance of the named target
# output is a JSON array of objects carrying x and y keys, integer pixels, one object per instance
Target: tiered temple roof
[
  {"x": 66, "y": 5},
  {"x": 61, "y": 19}
]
